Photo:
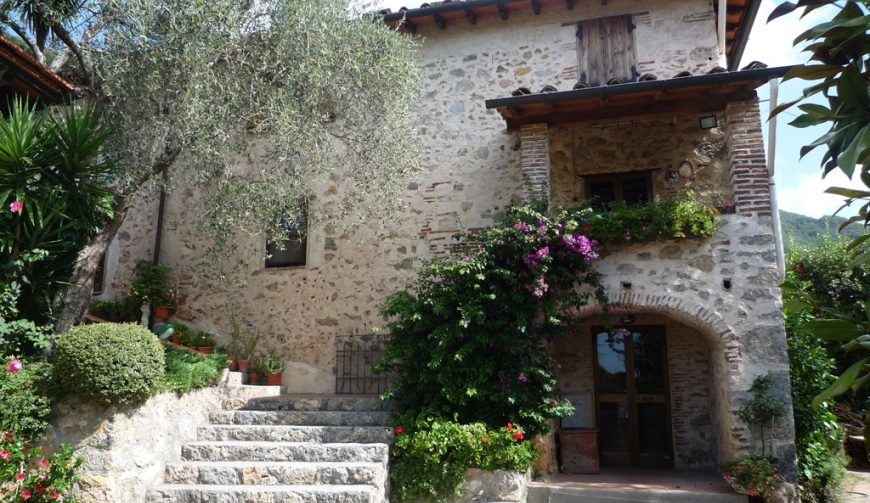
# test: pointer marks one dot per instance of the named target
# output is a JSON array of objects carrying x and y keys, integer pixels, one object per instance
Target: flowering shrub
[
  {"x": 26, "y": 476},
  {"x": 26, "y": 390},
  {"x": 430, "y": 456},
  {"x": 755, "y": 474},
  {"x": 476, "y": 323}
]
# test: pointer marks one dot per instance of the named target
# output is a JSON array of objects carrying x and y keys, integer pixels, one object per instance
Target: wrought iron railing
[{"x": 355, "y": 356}]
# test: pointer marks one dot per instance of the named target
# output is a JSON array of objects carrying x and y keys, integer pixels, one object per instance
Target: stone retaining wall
[
  {"x": 126, "y": 447},
  {"x": 500, "y": 485}
]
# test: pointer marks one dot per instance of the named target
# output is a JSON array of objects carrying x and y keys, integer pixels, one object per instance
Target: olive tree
[{"x": 322, "y": 87}]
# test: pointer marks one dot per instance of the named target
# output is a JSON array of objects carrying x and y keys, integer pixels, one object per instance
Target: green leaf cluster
[
  {"x": 109, "y": 362},
  {"x": 187, "y": 371},
  {"x": 754, "y": 473},
  {"x": 27, "y": 396},
  {"x": 151, "y": 284},
  {"x": 430, "y": 455}
]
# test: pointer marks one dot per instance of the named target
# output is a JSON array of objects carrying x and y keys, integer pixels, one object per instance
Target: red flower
[
  {"x": 486, "y": 438},
  {"x": 399, "y": 430},
  {"x": 40, "y": 488},
  {"x": 54, "y": 495},
  {"x": 26, "y": 494},
  {"x": 753, "y": 492},
  {"x": 518, "y": 435},
  {"x": 585, "y": 227},
  {"x": 510, "y": 427}
]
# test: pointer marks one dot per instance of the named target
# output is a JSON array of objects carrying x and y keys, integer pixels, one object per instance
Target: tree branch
[
  {"x": 81, "y": 54},
  {"x": 21, "y": 32},
  {"x": 61, "y": 59}
]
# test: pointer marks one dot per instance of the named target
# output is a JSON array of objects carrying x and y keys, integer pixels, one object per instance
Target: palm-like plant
[
  {"x": 41, "y": 15},
  {"x": 53, "y": 195}
]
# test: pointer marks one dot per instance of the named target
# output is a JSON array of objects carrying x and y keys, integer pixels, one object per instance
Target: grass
[{"x": 186, "y": 370}]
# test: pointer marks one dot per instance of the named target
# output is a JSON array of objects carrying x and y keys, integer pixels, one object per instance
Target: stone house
[{"x": 627, "y": 100}]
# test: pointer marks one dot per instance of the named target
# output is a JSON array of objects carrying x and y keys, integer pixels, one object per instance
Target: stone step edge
[
  {"x": 264, "y": 487},
  {"x": 280, "y": 464},
  {"x": 266, "y": 443}
]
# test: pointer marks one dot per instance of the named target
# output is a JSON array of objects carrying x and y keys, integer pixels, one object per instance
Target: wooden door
[
  {"x": 633, "y": 408},
  {"x": 606, "y": 50}
]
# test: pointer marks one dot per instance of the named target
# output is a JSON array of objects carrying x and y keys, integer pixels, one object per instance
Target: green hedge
[{"x": 109, "y": 362}]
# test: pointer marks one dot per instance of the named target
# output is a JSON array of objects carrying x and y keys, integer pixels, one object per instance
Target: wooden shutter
[{"x": 606, "y": 50}]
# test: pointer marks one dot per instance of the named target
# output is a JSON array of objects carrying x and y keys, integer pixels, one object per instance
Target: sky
[{"x": 800, "y": 186}]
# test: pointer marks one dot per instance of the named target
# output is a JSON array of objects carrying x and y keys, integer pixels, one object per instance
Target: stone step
[
  {"x": 284, "y": 451},
  {"x": 313, "y": 403},
  {"x": 302, "y": 418},
  {"x": 326, "y": 434},
  {"x": 541, "y": 493},
  {"x": 247, "y": 392},
  {"x": 275, "y": 473},
  {"x": 183, "y": 493}
]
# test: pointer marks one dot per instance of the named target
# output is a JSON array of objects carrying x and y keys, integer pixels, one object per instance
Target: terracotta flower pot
[
  {"x": 273, "y": 379},
  {"x": 243, "y": 364},
  {"x": 206, "y": 350},
  {"x": 233, "y": 365},
  {"x": 253, "y": 378},
  {"x": 161, "y": 312},
  {"x": 175, "y": 339}
]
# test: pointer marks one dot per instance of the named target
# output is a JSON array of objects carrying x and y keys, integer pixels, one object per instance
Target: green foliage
[
  {"x": 151, "y": 285},
  {"x": 186, "y": 370},
  {"x": 25, "y": 475},
  {"x": 243, "y": 343},
  {"x": 27, "y": 389},
  {"x": 430, "y": 455},
  {"x": 762, "y": 408},
  {"x": 827, "y": 275},
  {"x": 754, "y": 473},
  {"x": 271, "y": 362},
  {"x": 470, "y": 340},
  {"x": 53, "y": 196},
  {"x": 818, "y": 437},
  {"x": 675, "y": 217},
  {"x": 18, "y": 336},
  {"x": 109, "y": 362}
]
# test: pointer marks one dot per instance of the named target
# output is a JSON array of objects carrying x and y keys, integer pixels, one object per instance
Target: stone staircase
[{"x": 267, "y": 448}]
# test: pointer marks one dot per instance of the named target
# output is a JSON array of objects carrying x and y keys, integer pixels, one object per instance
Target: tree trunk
[{"x": 71, "y": 303}]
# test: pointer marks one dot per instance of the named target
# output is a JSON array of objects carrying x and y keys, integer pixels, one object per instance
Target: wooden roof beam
[
  {"x": 409, "y": 26},
  {"x": 440, "y": 21}
]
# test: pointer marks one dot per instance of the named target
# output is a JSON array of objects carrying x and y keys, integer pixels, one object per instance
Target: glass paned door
[{"x": 633, "y": 413}]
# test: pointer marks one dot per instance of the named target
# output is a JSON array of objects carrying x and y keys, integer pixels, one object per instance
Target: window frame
[
  {"x": 271, "y": 247},
  {"x": 618, "y": 196}
]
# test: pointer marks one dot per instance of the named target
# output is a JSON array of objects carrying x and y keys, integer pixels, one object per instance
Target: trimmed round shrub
[{"x": 109, "y": 362}]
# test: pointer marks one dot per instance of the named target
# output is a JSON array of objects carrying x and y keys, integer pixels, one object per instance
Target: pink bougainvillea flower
[
  {"x": 26, "y": 494},
  {"x": 54, "y": 495},
  {"x": 14, "y": 366},
  {"x": 5, "y": 454},
  {"x": 16, "y": 207},
  {"x": 43, "y": 463},
  {"x": 466, "y": 258}
]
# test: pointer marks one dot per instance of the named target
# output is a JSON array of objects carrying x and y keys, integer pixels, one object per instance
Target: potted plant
[
  {"x": 101, "y": 309},
  {"x": 151, "y": 285},
  {"x": 180, "y": 330},
  {"x": 204, "y": 342},
  {"x": 188, "y": 338},
  {"x": 254, "y": 373},
  {"x": 754, "y": 475},
  {"x": 247, "y": 343},
  {"x": 272, "y": 365}
]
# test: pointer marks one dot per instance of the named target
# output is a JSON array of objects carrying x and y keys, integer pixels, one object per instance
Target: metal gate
[{"x": 355, "y": 355}]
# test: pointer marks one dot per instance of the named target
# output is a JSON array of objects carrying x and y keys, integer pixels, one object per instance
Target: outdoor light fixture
[
  {"x": 708, "y": 122},
  {"x": 671, "y": 177},
  {"x": 627, "y": 319}
]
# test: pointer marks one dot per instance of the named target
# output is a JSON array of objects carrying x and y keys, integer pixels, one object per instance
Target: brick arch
[{"x": 688, "y": 312}]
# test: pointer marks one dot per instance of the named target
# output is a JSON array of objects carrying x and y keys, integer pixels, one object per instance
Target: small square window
[
  {"x": 291, "y": 251},
  {"x": 99, "y": 276}
]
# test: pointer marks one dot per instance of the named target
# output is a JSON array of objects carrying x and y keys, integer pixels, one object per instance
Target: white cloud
[{"x": 806, "y": 194}]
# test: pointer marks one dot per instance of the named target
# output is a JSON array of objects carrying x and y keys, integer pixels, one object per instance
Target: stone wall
[
  {"x": 126, "y": 447},
  {"x": 500, "y": 485},
  {"x": 653, "y": 145},
  {"x": 471, "y": 173}
]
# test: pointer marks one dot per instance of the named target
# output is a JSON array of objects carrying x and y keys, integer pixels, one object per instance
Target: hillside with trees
[{"x": 804, "y": 230}]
